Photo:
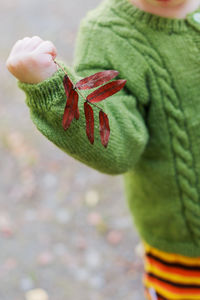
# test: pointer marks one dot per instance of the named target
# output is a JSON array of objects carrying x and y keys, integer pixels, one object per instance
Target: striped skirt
[{"x": 170, "y": 276}]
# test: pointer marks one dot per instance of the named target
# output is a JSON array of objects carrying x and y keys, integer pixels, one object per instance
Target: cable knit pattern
[
  {"x": 154, "y": 120},
  {"x": 180, "y": 143},
  {"x": 183, "y": 158}
]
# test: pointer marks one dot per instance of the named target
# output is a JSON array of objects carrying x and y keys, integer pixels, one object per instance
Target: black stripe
[
  {"x": 183, "y": 286},
  {"x": 176, "y": 265},
  {"x": 161, "y": 297}
]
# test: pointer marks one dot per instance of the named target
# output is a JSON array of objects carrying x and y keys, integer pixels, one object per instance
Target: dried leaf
[
  {"x": 89, "y": 117},
  {"x": 106, "y": 90},
  {"x": 71, "y": 109},
  {"x": 37, "y": 294},
  {"x": 9, "y": 264},
  {"x": 6, "y": 225},
  {"x": 68, "y": 85},
  {"x": 94, "y": 218},
  {"x": 76, "y": 111},
  {"x": 104, "y": 128},
  {"x": 91, "y": 198},
  {"x": 139, "y": 250},
  {"x": 96, "y": 79},
  {"x": 45, "y": 258},
  {"x": 114, "y": 237},
  {"x": 80, "y": 242},
  {"x": 102, "y": 227}
]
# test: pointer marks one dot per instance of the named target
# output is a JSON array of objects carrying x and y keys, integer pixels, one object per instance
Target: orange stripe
[
  {"x": 176, "y": 278},
  {"x": 169, "y": 295},
  {"x": 163, "y": 267},
  {"x": 173, "y": 289}
]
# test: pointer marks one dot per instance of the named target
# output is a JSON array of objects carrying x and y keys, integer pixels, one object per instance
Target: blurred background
[{"x": 65, "y": 229}]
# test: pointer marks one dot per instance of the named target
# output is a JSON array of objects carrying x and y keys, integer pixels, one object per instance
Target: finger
[
  {"x": 25, "y": 41},
  {"x": 47, "y": 47},
  {"x": 34, "y": 42},
  {"x": 19, "y": 45},
  {"x": 16, "y": 46},
  {"x": 36, "y": 38}
]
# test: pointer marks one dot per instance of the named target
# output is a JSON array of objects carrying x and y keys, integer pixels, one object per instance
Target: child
[{"x": 154, "y": 121}]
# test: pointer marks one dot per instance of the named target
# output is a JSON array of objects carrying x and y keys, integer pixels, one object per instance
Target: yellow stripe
[
  {"x": 168, "y": 294},
  {"x": 176, "y": 278},
  {"x": 172, "y": 257}
]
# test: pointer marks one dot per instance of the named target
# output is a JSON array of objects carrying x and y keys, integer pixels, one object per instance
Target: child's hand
[{"x": 31, "y": 60}]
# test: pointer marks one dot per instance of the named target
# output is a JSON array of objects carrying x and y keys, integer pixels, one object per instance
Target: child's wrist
[{"x": 43, "y": 95}]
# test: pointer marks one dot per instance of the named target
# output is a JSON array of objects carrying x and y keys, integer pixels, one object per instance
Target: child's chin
[{"x": 165, "y": 3}]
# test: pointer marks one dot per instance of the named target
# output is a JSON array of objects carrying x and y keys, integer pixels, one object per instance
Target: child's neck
[{"x": 169, "y": 9}]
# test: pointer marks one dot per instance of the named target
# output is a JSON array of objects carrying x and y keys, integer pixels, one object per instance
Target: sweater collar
[{"x": 128, "y": 10}]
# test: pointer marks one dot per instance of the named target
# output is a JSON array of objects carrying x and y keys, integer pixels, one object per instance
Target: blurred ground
[{"x": 64, "y": 228}]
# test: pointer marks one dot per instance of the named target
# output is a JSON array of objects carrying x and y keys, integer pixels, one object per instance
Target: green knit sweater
[{"x": 154, "y": 120}]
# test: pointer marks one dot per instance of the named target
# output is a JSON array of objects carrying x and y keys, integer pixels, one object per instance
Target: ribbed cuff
[{"x": 43, "y": 95}]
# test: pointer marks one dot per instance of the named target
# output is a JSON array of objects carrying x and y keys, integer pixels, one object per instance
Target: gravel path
[{"x": 64, "y": 228}]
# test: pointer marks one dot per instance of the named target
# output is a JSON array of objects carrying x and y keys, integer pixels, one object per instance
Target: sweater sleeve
[{"x": 128, "y": 132}]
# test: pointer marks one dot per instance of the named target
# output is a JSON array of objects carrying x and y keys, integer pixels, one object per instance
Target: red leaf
[
  {"x": 71, "y": 109},
  {"x": 89, "y": 117},
  {"x": 68, "y": 85},
  {"x": 106, "y": 90},
  {"x": 76, "y": 112},
  {"x": 96, "y": 79},
  {"x": 104, "y": 128}
]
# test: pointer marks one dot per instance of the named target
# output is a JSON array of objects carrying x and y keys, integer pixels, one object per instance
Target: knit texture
[{"x": 154, "y": 120}]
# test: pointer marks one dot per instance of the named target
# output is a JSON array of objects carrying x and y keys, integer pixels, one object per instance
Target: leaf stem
[
  {"x": 60, "y": 66},
  {"x": 86, "y": 99},
  {"x": 75, "y": 86}
]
